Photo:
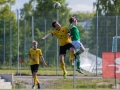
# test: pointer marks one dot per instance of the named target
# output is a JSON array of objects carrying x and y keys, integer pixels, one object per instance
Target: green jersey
[{"x": 75, "y": 34}]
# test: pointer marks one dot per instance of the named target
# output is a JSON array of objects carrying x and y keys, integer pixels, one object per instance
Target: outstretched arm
[{"x": 46, "y": 36}]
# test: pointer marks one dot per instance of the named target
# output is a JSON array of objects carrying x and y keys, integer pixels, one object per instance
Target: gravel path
[
  {"x": 26, "y": 81},
  {"x": 46, "y": 81}
]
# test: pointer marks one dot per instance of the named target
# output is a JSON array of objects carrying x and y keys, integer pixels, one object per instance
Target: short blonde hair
[{"x": 34, "y": 42}]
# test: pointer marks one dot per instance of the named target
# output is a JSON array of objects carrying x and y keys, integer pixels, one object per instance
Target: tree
[
  {"x": 83, "y": 16},
  {"x": 7, "y": 19},
  {"x": 107, "y": 7},
  {"x": 107, "y": 11}
]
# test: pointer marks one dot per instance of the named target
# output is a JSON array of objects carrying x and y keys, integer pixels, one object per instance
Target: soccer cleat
[
  {"x": 79, "y": 70},
  {"x": 33, "y": 87},
  {"x": 65, "y": 75},
  {"x": 71, "y": 62},
  {"x": 38, "y": 85}
]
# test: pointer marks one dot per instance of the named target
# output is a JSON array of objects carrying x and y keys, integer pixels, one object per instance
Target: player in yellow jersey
[
  {"x": 35, "y": 55},
  {"x": 63, "y": 36}
]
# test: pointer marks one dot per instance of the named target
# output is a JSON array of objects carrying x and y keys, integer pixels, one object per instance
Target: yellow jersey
[
  {"x": 36, "y": 53},
  {"x": 62, "y": 36}
]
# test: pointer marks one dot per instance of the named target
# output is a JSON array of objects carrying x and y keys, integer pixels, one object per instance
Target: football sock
[
  {"x": 78, "y": 63},
  {"x": 35, "y": 80},
  {"x": 78, "y": 52},
  {"x": 63, "y": 66},
  {"x": 71, "y": 55}
]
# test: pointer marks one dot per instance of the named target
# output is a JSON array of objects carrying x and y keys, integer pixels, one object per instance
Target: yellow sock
[
  {"x": 35, "y": 80},
  {"x": 63, "y": 66},
  {"x": 71, "y": 56}
]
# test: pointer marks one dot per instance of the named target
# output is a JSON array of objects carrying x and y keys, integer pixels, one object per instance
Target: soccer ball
[{"x": 56, "y": 5}]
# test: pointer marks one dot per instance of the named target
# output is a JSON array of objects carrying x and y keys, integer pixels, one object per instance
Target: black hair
[
  {"x": 53, "y": 23},
  {"x": 71, "y": 20}
]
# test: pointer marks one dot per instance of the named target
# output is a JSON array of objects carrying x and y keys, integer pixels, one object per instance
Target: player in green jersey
[{"x": 75, "y": 36}]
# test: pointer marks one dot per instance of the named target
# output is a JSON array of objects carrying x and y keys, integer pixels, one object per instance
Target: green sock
[
  {"x": 78, "y": 63},
  {"x": 78, "y": 52}
]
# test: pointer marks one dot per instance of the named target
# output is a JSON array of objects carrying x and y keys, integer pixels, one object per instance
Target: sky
[{"x": 75, "y": 5}]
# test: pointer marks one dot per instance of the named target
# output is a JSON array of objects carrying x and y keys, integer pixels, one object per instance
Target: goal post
[{"x": 114, "y": 43}]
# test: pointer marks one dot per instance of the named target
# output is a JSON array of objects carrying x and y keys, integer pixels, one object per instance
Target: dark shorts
[
  {"x": 64, "y": 48},
  {"x": 34, "y": 68}
]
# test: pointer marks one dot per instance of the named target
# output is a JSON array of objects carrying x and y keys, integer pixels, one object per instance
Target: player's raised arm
[{"x": 46, "y": 36}]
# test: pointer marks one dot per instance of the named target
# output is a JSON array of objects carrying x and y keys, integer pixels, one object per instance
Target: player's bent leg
[
  {"x": 78, "y": 52},
  {"x": 82, "y": 47},
  {"x": 81, "y": 50},
  {"x": 72, "y": 53},
  {"x": 71, "y": 58}
]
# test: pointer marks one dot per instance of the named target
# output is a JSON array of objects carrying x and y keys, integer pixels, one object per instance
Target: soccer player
[
  {"x": 62, "y": 34},
  {"x": 35, "y": 55},
  {"x": 75, "y": 36}
]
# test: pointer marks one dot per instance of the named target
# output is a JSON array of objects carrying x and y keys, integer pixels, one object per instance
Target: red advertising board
[{"x": 111, "y": 64}]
